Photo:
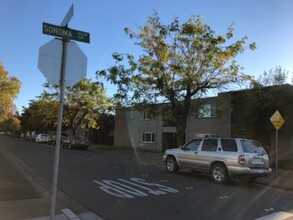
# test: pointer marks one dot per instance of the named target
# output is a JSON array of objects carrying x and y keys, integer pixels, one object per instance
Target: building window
[
  {"x": 147, "y": 116},
  {"x": 148, "y": 137},
  {"x": 206, "y": 111}
]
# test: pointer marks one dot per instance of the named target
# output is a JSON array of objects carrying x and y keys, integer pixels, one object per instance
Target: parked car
[
  {"x": 42, "y": 138},
  {"x": 76, "y": 142},
  {"x": 33, "y": 135},
  {"x": 27, "y": 135},
  {"x": 53, "y": 140},
  {"x": 223, "y": 158}
]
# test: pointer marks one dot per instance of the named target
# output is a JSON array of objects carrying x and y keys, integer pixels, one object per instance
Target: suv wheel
[
  {"x": 219, "y": 173},
  {"x": 171, "y": 164}
]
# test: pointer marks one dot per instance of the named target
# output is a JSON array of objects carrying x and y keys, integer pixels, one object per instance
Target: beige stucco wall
[
  {"x": 129, "y": 129},
  {"x": 219, "y": 125}
]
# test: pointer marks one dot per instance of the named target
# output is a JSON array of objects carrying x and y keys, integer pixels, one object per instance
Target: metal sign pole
[
  {"x": 47, "y": 59},
  {"x": 59, "y": 129},
  {"x": 277, "y": 120},
  {"x": 277, "y": 159}
]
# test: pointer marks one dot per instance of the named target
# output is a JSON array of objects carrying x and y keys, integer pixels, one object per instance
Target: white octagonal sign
[{"x": 49, "y": 63}]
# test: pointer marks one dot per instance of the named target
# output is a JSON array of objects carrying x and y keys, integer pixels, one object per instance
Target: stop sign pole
[
  {"x": 59, "y": 129},
  {"x": 66, "y": 34}
]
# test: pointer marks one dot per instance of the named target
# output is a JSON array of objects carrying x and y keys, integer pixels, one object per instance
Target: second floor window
[
  {"x": 207, "y": 110},
  {"x": 147, "y": 116}
]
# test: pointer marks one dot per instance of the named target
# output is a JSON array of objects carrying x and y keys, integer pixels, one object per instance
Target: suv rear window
[
  {"x": 229, "y": 145},
  {"x": 250, "y": 146}
]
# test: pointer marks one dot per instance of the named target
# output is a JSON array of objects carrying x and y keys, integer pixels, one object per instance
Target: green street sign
[{"x": 65, "y": 32}]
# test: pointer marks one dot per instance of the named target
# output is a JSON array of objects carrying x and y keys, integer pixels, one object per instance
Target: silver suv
[{"x": 223, "y": 158}]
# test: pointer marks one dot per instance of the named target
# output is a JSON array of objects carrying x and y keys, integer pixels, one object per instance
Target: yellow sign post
[{"x": 277, "y": 120}]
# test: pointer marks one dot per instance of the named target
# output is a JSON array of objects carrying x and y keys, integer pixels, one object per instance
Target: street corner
[{"x": 13, "y": 184}]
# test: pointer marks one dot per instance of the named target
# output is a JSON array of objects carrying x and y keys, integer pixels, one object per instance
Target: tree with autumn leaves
[
  {"x": 83, "y": 105},
  {"x": 179, "y": 62},
  {"x": 9, "y": 89}
]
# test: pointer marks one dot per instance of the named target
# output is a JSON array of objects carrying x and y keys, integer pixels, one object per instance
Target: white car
[{"x": 42, "y": 138}]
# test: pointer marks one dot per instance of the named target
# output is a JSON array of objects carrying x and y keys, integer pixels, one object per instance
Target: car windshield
[{"x": 250, "y": 146}]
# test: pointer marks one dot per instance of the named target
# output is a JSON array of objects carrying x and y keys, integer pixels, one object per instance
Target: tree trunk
[
  {"x": 180, "y": 135},
  {"x": 180, "y": 110},
  {"x": 180, "y": 114}
]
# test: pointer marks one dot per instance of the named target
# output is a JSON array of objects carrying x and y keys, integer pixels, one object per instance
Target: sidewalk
[
  {"x": 284, "y": 180},
  {"x": 26, "y": 196}
]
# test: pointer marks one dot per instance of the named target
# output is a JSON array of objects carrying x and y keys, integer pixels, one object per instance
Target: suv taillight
[{"x": 241, "y": 159}]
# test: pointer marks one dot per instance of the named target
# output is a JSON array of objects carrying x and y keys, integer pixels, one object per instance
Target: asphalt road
[{"x": 115, "y": 185}]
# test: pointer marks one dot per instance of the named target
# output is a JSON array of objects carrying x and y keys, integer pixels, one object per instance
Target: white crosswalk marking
[
  {"x": 69, "y": 214},
  {"x": 134, "y": 187},
  {"x": 277, "y": 216}
]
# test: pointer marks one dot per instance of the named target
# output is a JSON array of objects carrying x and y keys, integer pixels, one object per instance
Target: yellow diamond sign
[{"x": 277, "y": 120}]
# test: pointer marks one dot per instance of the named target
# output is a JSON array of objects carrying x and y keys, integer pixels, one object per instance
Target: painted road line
[{"x": 69, "y": 214}]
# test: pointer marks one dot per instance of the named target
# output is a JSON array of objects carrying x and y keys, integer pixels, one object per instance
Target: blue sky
[{"x": 269, "y": 23}]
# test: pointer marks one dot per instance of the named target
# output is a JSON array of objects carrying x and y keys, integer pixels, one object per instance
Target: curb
[{"x": 44, "y": 187}]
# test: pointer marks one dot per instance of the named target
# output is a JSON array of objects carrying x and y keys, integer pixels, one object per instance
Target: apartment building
[
  {"x": 224, "y": 115},
  {"x": 156, "y": 132}
]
